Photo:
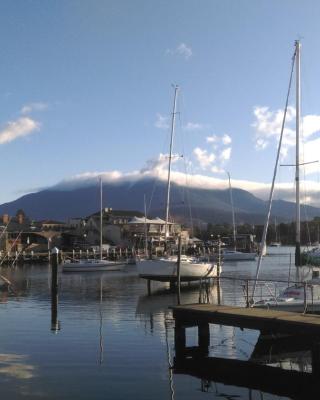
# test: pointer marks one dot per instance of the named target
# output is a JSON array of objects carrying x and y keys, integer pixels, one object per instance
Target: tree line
[{"x": 283, "y": 232}]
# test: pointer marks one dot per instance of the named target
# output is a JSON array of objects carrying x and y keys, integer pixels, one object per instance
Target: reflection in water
[
  {"x": 269, "y": 368},
  {"x": 55, "y": 324},
  {"x": 170, "y": 365},
  {"x": 113, "y": 308},
  {"x": 100, "y": 326},
  {"x": 13, "y": 365}
]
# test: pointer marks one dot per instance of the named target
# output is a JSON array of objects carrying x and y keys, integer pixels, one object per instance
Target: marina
[
  {"x": 159, "y": 203},
  {"x": 106, "y": 322}
]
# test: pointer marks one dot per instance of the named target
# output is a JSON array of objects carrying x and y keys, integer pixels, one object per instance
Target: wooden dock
[
  {"x": 251, "y": 318},
  {"x": 297, "y": 332}
]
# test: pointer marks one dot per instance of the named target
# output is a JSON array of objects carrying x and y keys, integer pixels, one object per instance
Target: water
[{"x": 114, "y": 341}]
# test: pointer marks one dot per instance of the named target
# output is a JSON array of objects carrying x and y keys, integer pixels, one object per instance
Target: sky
[{"x": 86, "y": 89}]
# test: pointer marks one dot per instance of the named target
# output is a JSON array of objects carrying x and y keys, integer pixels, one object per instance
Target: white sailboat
[
  {"x": 93, "y": 265},
  {"x": 234, "y": 254},
  {"x": 298, "y": 296},
  {"x": 276, "y": 242},
  {"x": 165, "y": 268}
]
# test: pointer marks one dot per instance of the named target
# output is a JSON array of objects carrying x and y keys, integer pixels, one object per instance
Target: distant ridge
[{"x": 203, "y": 205}]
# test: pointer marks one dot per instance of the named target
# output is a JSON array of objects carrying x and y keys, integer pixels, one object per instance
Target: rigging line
[
  {"x": 305, "y": 208},
  {"x": 188, "y": 197},
  {"x": 155, "y": 181},
  {"x": 186, "y": 171},
  {"x": 265, "y": 229},
  {"x": 186, "y": 194},
  {"x": 304, "y": 185}
]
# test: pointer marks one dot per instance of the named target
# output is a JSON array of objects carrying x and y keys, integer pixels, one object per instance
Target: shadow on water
[{"x": 284, "y": 366}]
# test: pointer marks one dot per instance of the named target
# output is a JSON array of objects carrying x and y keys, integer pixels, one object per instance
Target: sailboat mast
[
  {"x": 145, "y": 227},
  {"x": 298, "y": 93},
  {"x": 101, "y": 216},
  {"x": 233, "y": 217},
  {"x": 173, "y": 120}
]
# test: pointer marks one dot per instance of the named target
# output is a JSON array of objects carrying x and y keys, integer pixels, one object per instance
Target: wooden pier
[
  {"x": 280, "y": 331},
  {"x": 251, "y": 318}
]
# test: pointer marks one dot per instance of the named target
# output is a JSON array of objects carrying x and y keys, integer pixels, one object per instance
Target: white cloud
[
  {"x": 159, "y": 163},
  {"x": 226, "y": 139},
  {"x": 217, "y": 170},
  {"x": 193, "y": 126},
  {"x": 157, "y": 168},
  {"x": 212, "y": 139},
  {"x": 310, "y": 125},
  {"x": 225, "y": 154},
  {"x": 28, "y": 108},
  {"x": 182, "y": 50},
  {"x": 23, "y": 126},
  {"x": 268, "y": 124},
  {"x": 216, "y": 157},
  {"x": 162, "y": 122},
  {"x": 204, "y": 158}
]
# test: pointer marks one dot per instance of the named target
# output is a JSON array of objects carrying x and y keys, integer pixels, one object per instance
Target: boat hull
[
  {"x": 292, "y": 306},
  {"x": 92, "y": 266},
  {"x": 166, "y": 270}
]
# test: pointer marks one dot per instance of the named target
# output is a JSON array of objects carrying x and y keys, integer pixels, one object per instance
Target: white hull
[
  {"x": 293, "y": 306},
  {"x": 167, "y": 267},
  {"x": 292, "y": 299},
  {"x": 92, "y": 266}
]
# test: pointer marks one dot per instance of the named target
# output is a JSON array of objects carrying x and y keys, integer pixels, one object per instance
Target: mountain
[{"x": 202, "y": 204}]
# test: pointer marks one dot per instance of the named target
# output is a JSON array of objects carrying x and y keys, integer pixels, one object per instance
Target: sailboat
[
  {"x": 298, "y": 296},
  {"x": 165, "y": 268},
  {"x": 93, "y": 265},
  {"x": 312, "y": 257},
  {"x": 276, "y": 242},
  {"x": 233, "y": 254}
]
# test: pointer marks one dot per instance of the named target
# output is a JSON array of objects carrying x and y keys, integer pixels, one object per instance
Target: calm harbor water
[{"x": 114, "y": 341}]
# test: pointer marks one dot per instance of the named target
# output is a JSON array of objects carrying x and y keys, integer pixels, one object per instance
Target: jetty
[
  {"x": 281, "y": 332},
  {"x": 247, "y": 318}
]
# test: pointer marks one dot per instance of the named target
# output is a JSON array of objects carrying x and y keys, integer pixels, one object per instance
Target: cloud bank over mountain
[{"x": 157, "y": 169}]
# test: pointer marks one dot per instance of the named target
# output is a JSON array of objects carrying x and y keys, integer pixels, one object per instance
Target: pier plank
[{"x": 251, "y": 318}]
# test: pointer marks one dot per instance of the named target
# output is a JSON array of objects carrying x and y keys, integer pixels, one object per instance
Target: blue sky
[{"x": 86, "y": 87}]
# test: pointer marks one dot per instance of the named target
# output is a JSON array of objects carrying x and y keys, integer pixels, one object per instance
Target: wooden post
[
  {"x": 149, "y": 287},
  {"x": 179, "y": 340},
  {"x": 204, "y": 338},
  {"x": 315, "y": 360},
  {"x": 305, "y": 297},
  {"x": 55, "y": 326},
  {"x": 178, "y": 271},
  {"x": 247, "y": 294},
  {"x": 54, "y": 268}
]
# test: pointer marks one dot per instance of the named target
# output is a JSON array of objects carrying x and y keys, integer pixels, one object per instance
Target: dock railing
[{"x": 267, "y": 292}]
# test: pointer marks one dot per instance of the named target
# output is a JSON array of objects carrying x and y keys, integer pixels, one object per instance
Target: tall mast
[
  {"x": 298, "y": 92},
  {"x": 101, "y": 218},
  {"x": 145, "y": 227},
  {"x": 233, "y": 217},
  {"x": 173, "y": 120}
]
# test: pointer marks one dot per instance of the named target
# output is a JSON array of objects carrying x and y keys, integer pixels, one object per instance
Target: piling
[
  {"x": 149, "y": 287},
  {"x": 55, "y": 326},
  {"x": 178, "y": 272}
]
